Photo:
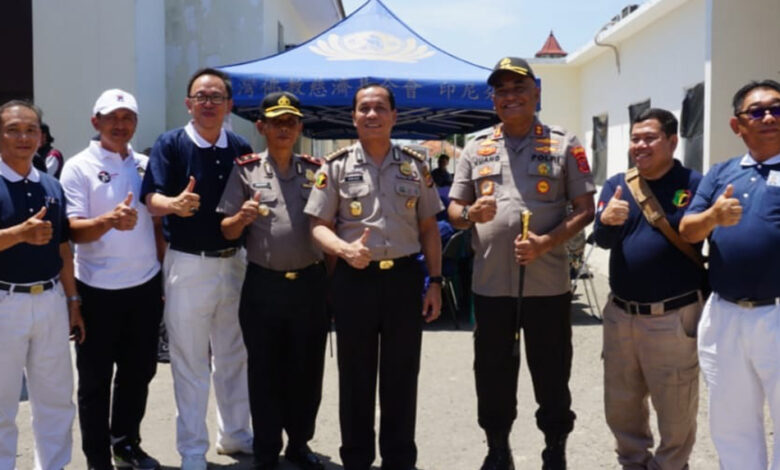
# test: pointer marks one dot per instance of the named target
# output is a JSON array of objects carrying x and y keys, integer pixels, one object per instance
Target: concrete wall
[
  {"x": 561, "y": 98},
  {"x": 741, "y": 46}
]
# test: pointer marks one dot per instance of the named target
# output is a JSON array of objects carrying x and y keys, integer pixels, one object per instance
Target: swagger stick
[{"x": 526, "y": 218}]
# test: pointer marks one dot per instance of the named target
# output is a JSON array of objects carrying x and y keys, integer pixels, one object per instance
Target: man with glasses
[
  {"x": 657, "y": 296},
  {"x": 737, "y": 208},
  {"x": 282, "y": 309},
  {"x": 38, "y": 299},
  {"x": 522, "y": 165},
  {"x": 202, "y": 271}
]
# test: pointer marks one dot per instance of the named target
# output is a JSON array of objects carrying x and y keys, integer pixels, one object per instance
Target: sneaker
[
  {"x": 194, "y": 462},
  {"x": 240, "y": 448},
  {"x": 130, "y": 455}
]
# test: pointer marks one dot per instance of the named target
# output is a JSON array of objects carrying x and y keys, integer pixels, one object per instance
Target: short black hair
[
  {"x": 442, "y": 156},
  {"x": 739, "y": 96},
  {"x": 24, "y": 104},
  {"x": 665, "y": 118},
  {"x": 390, "y": 95},
  {"x": 211, "y": 71}
]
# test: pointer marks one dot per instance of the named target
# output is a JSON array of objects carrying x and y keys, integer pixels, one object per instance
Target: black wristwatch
[
  {"x": 435, "y": 280},
  {"x": 464, "y": 213}
]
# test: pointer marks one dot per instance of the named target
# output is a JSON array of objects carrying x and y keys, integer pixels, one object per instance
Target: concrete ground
[{"x": 448, "y": 436}]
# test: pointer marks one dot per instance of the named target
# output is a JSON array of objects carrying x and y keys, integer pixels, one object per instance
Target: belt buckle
[
  {"x": 291, "y": 275},
  {"x": 386, "y": 264},
  {"x": 227, "y": 253},
  {"x": 744, "y": 303},
  {"x": 36, "y": 289},
  {"x": 657, "y": 308}
]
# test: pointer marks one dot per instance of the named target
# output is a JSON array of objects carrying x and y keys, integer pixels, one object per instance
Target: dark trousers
[
  {"x": 284, "y": 325},
  {"x": 122, "y": 328},
  {"x": 546, "y": 325},
  {"x": 378, "y": 321}
]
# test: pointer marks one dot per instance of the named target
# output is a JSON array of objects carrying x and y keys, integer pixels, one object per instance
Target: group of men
[{"x": 241, "y": 252}]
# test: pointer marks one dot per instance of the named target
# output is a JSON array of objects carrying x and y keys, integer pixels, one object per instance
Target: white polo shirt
[{"x": 95, "y": 181}]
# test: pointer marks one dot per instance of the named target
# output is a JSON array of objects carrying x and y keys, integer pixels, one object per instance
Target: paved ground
[{"x": 448, "y": 437}]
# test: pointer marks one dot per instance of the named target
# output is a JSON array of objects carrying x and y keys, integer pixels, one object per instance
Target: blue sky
[{"x": 483, "y": 31}]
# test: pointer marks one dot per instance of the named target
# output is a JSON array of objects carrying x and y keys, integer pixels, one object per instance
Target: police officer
[
  {"x": 657, "y": 297},
  {"x": 282, "y": 308},
  {"x": 118, "y": 275},
  {"x": 374, "y": 207},
  {"x": 522, "y": 164},
  {"x": 737, "y": 207},
  {"x": 202, "y": 271},
  {"x": 38, "y": 299}
]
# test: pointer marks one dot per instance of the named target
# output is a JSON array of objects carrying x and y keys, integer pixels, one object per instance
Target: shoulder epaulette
[
  {"x": 310, "y": 159},
  {"x": 413, "y": 153},
  {"x": 338, "y": 153},
  {"x": 248, "y": 158}
]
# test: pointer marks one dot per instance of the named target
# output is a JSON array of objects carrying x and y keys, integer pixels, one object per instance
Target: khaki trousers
[{"x": 651, "y": 356}]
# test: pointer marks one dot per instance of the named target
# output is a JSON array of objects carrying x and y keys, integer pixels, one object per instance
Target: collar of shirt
[
  {"x": 203, "y": 143},
  {"x": 748, "y": 160},
  {"x": 8, "y": 173},
  {"x": 101, "y": 152}
]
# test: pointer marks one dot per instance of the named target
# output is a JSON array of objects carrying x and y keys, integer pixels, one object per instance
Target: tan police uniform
[
  {"x": 384, "y": 300},
  {"x": 541, "y": 172},
  {"x": 282, "y": 310}
]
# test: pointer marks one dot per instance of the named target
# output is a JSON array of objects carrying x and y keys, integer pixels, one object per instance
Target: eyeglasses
[
  {"x": 506, "y": 92},
  {"x": 215, "y": 99},
  {"x": 759, "y": 113}
]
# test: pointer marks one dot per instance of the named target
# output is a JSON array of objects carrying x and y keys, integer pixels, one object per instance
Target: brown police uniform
[
  {"x": 540, "y": 172},
  {"x": 282, "y": 310},
  {"x": 384, "y": 300}
]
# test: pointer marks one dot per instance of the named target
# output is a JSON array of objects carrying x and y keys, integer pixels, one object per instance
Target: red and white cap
[{"x": 111, "y": 100}]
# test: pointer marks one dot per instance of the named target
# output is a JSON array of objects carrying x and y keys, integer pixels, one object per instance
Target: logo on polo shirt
[
  {"x": 104, "y": 177},
  {"x": 682, "y": 197}
]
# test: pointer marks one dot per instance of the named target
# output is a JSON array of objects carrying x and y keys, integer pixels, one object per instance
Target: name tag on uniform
[
  {"x": 354, "y": 177},
  {"x": 773, "y": 179},
  {"x": 266, "y": 185}
]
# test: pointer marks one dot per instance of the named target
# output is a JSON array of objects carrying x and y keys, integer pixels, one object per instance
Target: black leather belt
[
  {"x": 395, "y": 263},
  {"x": 289, "y": 275},
  {"x": 656, "y": 308},
  {"x": 226, "y": 253},
  {"x": 750, "y": 303},
  {"x": 29, "y": 288}
]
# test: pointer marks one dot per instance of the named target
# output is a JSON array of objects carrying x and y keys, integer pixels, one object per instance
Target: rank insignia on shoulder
[
  {"x": 248, "y": 158},
  {"x": 538, "y": 130},
  {"x": 310, "y": 159},
  {"x": 543, "y": 187},
  {"x": 487, "y": 151},
  {"x": 320, "y": 180},
  {"x": 338, "y": 153},
  {"x": 413, "y": 153},
  {"x": 498, "y": 132}
]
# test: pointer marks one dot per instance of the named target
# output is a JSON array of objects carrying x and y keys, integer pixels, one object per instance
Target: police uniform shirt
[
  {"x": 744, "y": 259},
  {"x": 354, "y": 193},
  {"x": 176, "y": 156},
  {"x": 95, "y": 181},
  {"x": 20, "y": 198},
  {"x": 280, "y": 237},
  {"x": 643, "y": 265},
  {"x": 540, "y": 172}
]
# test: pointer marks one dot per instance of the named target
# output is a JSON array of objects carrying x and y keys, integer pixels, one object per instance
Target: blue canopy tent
[{"x": 437, "y": 94}]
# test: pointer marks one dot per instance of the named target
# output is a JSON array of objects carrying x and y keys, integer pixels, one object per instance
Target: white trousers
[
  {"x": 201, "y": 310},
  {"x": 34, "y": 339},
  {"x": 739, "y": 354}
]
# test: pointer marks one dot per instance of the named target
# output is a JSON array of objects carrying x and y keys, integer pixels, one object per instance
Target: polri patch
[{"x": 543, "y": 187}]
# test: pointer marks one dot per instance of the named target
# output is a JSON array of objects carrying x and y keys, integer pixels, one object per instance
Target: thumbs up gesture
[
  {"x": 249, "y": 210},
  {"x": 727, "y": 209},
  {"x": 187, "y": 202},
  {"x": 616, "y": 211},
  {"x": 357, "y": 254},
  {"x": 124, "y": 216},
  {"x": 35, "y": 230}
]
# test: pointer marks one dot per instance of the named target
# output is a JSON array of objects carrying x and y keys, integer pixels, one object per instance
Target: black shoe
[
  {"x": 304, "y": 458},
  {"x": 554, "y": 454},
  {"x": 92, "y": 466},
  {"x": 128, "y": 454},
  {"x": 498, "y": 459},
  {"x": 265, "y": 466}
]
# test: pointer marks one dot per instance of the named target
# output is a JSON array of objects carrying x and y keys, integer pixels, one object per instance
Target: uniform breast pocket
[
  {"x": 355, "y": 201},
  {"x": 487, "y": 179},
  {"x": 769, "y": 207},
  {"x": 407, "y": 195},
  {"x": 545, "y": 176}
]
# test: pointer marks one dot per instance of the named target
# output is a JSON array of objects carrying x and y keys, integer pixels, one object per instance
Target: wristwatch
[{"x": 464, "y": 213}]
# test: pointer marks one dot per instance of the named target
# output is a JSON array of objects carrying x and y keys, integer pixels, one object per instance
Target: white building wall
[
  {"x": 658, "y": 62},
  {"x": 741, "y": 46},
  {"x": 560, "y": 95}
]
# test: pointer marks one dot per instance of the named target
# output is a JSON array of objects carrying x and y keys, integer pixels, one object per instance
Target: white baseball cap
[{"x": 114, "y": 99}]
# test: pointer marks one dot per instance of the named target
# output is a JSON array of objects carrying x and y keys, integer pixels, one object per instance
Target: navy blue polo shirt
[
  {"x": 745, "y": 258},
  {"x": 643, "y": 265},
  {"x": 174, "y": 158},
  {"x": 20, "y": 199}
]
